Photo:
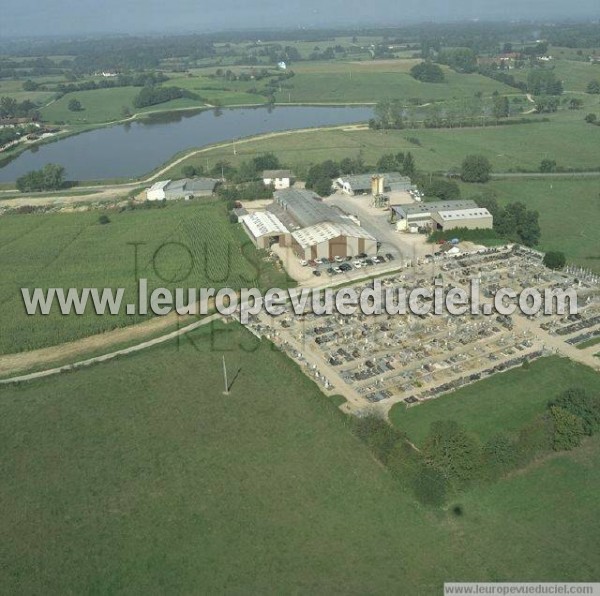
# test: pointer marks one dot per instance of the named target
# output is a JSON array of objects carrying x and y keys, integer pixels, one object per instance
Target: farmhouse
[
  {"x": 364, "y": 184},
  {"x": 300, "y": 220},
  {"x": 186, "y": 188},
  {"x": 441, "y": 215},
  {"x": 278, "y": 179}
]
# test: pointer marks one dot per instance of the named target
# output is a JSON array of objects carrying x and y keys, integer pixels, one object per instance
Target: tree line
[{"x": 453, "y": 459}]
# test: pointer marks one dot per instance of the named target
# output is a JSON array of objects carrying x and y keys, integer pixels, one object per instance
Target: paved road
[{"x": 376, "y": 222}]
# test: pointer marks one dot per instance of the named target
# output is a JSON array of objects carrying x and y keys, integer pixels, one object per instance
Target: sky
[{"x": 75, "y": 17}]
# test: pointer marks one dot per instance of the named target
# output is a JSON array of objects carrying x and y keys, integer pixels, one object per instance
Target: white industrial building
[
  {"x": 300, "y": 220},
  {"x": 186, "y": 188},
  {"x": 263, "y": 228},
  {"x": 278, "y": 179},
  {"x": 332, "y": 240},
  {"x": 441, "y": 215},
  {"x": 374, "y": 184},
  {"x": 471, "y": 219}
]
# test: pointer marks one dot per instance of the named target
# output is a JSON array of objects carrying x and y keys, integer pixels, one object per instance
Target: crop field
[
  {"x": 503, "y": 403},
  {"x": 165, "y": 482},
  {"x": 374, "y": 81},
  {"x": 181, "y": 245}
]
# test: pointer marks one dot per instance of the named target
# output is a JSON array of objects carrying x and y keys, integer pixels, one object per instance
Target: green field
[
  {"x": 560, "y": 203},
  {"x": 504, "y": 402},
  {"x": 573, "y": 144},
  {"x": 377, "y": 80},
  {"x": 74, "y": 250},
  {"x": 140, "y": 474}
]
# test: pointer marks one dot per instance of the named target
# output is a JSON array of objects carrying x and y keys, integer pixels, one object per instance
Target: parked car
[
  {"x": 389, "y": 256},
  {"x": 368, "y": 262},
  {"x": 330, "y": 271},
  {"x": 346, "y": 267},
  {"x": 317, "y": 273},
  {"x": 357, "y": 264},
  {"x": 336, "y": 269},
  {"x": 362, "y": 255},
  {"x": 312, "y": 263},
  {"x": 303, "y": 262}
]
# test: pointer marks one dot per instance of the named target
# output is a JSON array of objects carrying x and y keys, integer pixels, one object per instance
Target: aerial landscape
[{"x": 300, "y": 299}]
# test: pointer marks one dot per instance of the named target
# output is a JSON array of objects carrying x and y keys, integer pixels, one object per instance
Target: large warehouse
[
  {"x": 186, "y": 188},
  {"x": 300, "y": 220},
  {"x": 365, "y": 184},
  {"x": 263, "y": 228},
  {"x": 441, "y": 215}
]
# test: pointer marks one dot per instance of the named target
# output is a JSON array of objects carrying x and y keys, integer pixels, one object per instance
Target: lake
[{"x": 134, "y": 149}]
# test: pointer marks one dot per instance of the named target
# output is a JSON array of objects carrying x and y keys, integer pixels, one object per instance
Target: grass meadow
[
  {"x": 503, "y": 403},
  {"x": 569, "y": 211},
  {"x": 139, "y": 473},
  {"x": 180, "y": 245}
]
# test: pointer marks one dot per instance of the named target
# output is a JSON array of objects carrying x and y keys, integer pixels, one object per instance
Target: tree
[
  {"x": 568, "y": 429},
  {"x": 75, "y": 105},
  {"x": 387, "y": 163},
  {"x": 440, "y": 188},
  {"x": 593, "y": 87},
  {"x": 103, "y": 220},
  {"x": 453, "y": 452},
  {"x": 548, "y": 165},
  {"x": 322, "y": 187},
  {"x": 408, "y": 165},
  {"x": 591, "y": 118},
  {"x": 575, "y": 103},
  {"x": 50, "y": 177},
  {"x": 30, "y": 85},
  {"x": 501, "y": 107},
  {"x": 427, "y": 72},
  {"x": 580, "y": 403},
  {"x": 266, "y": 161},
  {"x": 190, "y": 171},
  {"x": 475, "y": 168},
  {"x": 554, "y": 259}
]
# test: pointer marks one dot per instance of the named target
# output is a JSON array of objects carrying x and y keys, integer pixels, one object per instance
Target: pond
[{"x": 134, "y": 149}]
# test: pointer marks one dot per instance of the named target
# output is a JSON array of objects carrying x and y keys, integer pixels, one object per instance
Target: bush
[
  {"x": 548, "y": 165},
  {"x": 74, "y": 105},
  {"x": 475, "y": 168},
  {"x": 568, "y": 429},
  {"x": 579, "y": 403},
  {"x": 103, "y": 220},
  {"x": 554, "y": 259},
  {"x": 427, "y": 72}
]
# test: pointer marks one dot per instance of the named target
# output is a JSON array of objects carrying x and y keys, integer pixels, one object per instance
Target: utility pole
[{"x": 226, "y": 392}]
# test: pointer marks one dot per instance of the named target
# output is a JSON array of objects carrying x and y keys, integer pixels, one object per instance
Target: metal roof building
[
  {"x": 444, "y": 215},
  {"x": 463, "y": 218},
  {"x": 261, "y": 226},
  {"x": 181, "y": 189},
  {"x": 363, "y": 183}
]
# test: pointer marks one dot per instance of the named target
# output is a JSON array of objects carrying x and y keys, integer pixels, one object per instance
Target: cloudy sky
[{"x": 71, "y": 17}]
